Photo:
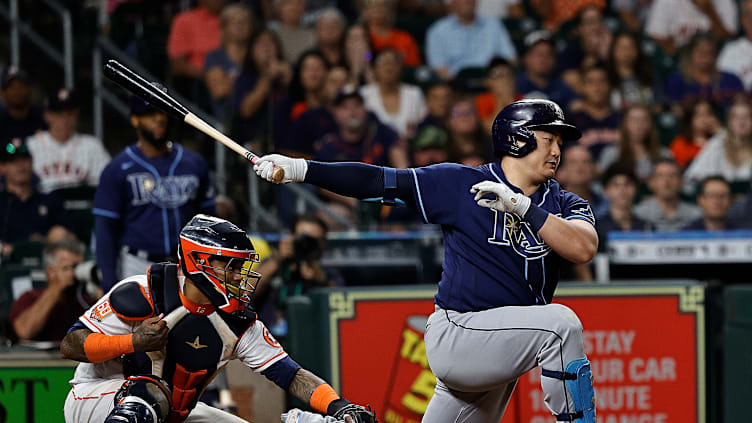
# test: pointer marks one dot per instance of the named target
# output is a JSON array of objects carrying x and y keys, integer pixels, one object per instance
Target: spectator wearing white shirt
[
  {"x": 736, "y": 56},
  {"x": 400, "y": 106},
  {"x": 728, "y": 153},
  {"x": 672, "y": 23},
  {"x": 62, "y": 157},
  {"x": 465, "y": 40}
]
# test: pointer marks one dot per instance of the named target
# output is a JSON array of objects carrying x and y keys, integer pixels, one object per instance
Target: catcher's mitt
[{"x": 357, "y": 413}]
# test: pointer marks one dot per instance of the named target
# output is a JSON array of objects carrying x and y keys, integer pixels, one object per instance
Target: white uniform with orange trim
[{"x": 94, "y": 384}]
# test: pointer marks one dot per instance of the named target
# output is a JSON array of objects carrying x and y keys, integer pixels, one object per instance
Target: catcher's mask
[{"x": 217, "y": 257}]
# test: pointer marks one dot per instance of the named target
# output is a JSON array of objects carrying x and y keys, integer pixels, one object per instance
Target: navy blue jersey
[
  {"x": 491, "y": 259},
  {"x": 153, "y": 197}
]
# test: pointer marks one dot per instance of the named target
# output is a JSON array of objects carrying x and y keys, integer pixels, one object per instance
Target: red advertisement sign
[{"x": 646, "y": 347}]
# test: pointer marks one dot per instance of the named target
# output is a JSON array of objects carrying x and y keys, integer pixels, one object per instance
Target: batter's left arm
[{"x": 574, "y": 240}]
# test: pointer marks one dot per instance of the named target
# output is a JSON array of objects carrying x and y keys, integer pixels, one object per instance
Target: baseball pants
[
  {"x": 477, "y": 358},
  {"x": 92, "y": 402}
]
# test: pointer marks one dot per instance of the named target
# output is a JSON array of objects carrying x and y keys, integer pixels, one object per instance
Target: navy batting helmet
[{"x": 513, "y": 124}]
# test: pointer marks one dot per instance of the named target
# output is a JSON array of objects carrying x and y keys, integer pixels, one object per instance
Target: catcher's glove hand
[{"x": 357, "y": 413}]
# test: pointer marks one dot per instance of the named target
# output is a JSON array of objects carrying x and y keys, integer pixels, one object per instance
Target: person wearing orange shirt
[
  {"x": 194, "y": 33},
  {"x": 379, "y": 18},
  {"x": 500, "y": 81},
  {"x": 699, "y": 123},
  {"x": 556, "y": 12}
]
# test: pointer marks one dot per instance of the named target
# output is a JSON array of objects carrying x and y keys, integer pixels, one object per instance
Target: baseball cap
[
  {"x": 540, "y": 36},
  {"x": 14, "y": 149},
  {"x": 347, "y": 92},
  {"x": 62, "y": 99},
  {"x": 13, "y": 72},
  {"x": 140, "y": 106}
]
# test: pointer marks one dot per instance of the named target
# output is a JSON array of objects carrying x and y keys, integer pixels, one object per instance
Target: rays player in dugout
[
  {"x": 507, "y": 226},
  {"x": 145, "y": 195}
]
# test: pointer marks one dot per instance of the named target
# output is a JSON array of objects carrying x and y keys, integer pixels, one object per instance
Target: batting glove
[
  {"x": 506, "y": 200},
  {"x": 295, "y": 169},
  {"x": 297, "y": 416}
]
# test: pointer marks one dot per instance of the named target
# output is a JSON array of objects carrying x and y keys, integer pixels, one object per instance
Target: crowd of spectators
[{"x": 659, "y": 88}]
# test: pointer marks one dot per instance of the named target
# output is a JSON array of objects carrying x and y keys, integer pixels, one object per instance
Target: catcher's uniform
[{"x": 201, "y": 341}]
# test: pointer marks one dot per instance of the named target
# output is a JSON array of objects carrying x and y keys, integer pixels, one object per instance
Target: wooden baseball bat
[{"x": 137, "y": 85}]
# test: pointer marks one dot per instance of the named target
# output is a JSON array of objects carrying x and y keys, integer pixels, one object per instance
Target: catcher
[{"x": 150, "y": 346}]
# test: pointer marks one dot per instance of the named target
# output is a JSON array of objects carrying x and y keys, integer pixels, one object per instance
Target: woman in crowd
[
  {"x": 630, "y": 72},
  {"x": 728, "y": 153},
  {"x": 306, "y": 92},
  {"x": 358, "y": 55},
  {"x": 401, "y": 106},
  {"x": 223, "y": 65},
  {"x": 262, "y": 82},
  {"x": 698, "y": 76},
  {"x": 468, "y": 143},
  {"x": 639, "y": 146},
  {"x": 699, "y": 123}
]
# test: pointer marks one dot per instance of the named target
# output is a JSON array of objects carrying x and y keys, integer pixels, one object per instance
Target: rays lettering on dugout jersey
[
  {"x": 167, "y": 191},
  {"x": 509, "y": 230}
]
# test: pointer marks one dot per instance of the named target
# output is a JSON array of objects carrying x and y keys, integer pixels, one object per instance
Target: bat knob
[{"x": 278, "y": 175}]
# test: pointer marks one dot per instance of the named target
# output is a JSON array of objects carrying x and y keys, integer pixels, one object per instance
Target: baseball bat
[{"x": 137, "y": 85}]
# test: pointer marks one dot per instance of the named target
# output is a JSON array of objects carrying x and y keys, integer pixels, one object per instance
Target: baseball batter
[
  {"x": 151, "y": 345},
  {"x": 507, "y": 227}
]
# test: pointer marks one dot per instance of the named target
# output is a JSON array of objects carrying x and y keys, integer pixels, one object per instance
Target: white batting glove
[
  {"x": 297, "y": 416},
  {"x": 506, "y": 200},
  {"x": 295, "y": 169}
]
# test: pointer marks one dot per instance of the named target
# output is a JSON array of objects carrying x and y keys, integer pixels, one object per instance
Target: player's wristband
[
  {"x": 323, "y": 396},
  {"x": 99, "y": 347},
  {"x": 536, "y": 217}
]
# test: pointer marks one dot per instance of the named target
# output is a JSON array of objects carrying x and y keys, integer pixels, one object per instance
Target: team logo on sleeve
[
  {"x": 583, "y": 211},
  {"x": 509, "y": 230},
  {"x": 270, "y": 339},
  {"x": 100, "y": 311}
]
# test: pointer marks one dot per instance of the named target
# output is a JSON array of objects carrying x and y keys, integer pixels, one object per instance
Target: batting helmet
[
  {"x": 513, "y": 124},
  {"x": 204, "y": 241}
]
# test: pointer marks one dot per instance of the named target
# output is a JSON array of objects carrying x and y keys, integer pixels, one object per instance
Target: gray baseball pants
[{"x": 477, "y": 358}]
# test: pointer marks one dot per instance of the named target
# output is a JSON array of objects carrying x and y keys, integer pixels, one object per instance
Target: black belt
[{"x": 156, "y": 258}]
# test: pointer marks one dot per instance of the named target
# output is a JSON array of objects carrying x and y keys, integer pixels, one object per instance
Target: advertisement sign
[
  {"x": 33, "y": 394},
  {"x": 646, "y": 345}
]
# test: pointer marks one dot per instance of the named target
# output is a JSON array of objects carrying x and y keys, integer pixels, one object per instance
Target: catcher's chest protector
[{"x": 201, "y": 341}]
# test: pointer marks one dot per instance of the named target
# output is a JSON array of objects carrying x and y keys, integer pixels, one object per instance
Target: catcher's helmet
[
  {"x": 206, "y": 239},
  {"x": 514, "y": 122}
]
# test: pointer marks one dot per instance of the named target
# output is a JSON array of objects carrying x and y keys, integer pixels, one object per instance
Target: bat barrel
[{"x": 142, "y": 88}]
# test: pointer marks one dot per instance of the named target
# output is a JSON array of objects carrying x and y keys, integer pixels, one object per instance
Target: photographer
[
  {"x": 45, "y": 314},
  {"x": 294, "y": 270}
]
